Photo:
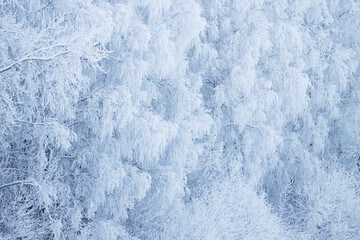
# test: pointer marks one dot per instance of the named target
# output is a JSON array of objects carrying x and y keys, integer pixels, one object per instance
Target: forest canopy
[{"x": 192, "y": 119}]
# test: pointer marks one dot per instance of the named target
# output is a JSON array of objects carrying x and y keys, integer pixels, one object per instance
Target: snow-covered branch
[
  {"x": 33, "y": 58},
  {"x": 21, "y": 182}
]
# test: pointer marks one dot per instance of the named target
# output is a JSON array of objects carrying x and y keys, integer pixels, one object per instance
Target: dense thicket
[{"x": 192, "y": 119}]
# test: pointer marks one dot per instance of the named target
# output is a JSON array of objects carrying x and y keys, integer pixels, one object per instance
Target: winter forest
[{"x": 180, "y": 119}]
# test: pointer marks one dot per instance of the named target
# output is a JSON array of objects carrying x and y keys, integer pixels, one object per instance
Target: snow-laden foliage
[{"x": 193, "y": 119}]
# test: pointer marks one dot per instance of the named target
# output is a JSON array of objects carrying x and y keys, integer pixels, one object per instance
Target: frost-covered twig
[
  {"x": 28, "y": 122},
  {"x": 45, "y": 6},
  {"x": 30, "y": 58},
  {"x": 16, "y": 183}
]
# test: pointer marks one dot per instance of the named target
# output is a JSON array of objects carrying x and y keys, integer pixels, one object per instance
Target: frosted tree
[{"x": 42, "y": 79}]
